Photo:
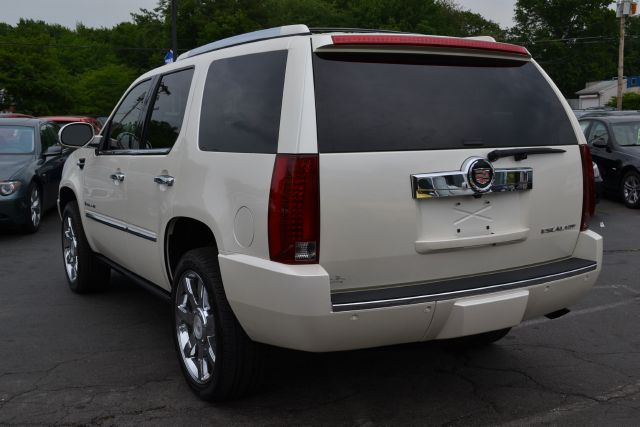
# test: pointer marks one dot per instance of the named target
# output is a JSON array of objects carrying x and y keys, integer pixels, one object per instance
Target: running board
[{"x": 143, "y": 283}]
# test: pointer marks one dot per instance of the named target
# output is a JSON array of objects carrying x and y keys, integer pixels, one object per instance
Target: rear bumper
[{"x": 292, "y": 306}]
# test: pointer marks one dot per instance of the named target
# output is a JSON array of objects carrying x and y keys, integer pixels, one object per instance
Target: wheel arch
[
  {"x": 183, "y": 234},
  {"x": 65, "y": 196}
]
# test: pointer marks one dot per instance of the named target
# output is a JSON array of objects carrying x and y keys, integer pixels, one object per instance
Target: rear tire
[
  {"x": 630, "y": 189},
  {"x": 478, "y": 340},
  {"x": 218, "y": 359},
  {"x": 85, "y": 272}
]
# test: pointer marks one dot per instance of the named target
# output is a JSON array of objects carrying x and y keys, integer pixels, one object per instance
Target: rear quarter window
[
  {"x": 399, "y": 102},
  {"x": 241, "y": 103}
]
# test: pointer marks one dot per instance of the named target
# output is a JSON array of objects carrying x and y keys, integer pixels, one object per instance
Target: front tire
[
  {"x": 33, "y": 214},
  {"x": 218, "y": 359},
  {"x": 85, "y": 272},
  {"x": 630, "y": 189}
]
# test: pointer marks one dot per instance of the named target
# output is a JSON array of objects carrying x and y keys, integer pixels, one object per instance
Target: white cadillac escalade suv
[{"x": 327, "y": 190}]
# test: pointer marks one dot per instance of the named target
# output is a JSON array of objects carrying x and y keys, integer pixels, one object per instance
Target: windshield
[
  {"x": 16, "y": 139},
  {"x": 627, "y": 134}
]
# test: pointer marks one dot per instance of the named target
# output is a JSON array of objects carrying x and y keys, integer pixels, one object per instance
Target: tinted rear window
[
  {"x": 241, "y": 103},
  {"x": 373, "y": 102}
]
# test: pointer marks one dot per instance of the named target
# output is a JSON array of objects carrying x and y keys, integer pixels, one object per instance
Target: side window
[
  {"x": 48, "y": 136},
  {"x": 241, "y": 103},
  {"x": 125, "y": 129},
  {"x": 168, "y": 110},
  {"x": 584, "y": 125},
  {"x": 598, "y": 132}
]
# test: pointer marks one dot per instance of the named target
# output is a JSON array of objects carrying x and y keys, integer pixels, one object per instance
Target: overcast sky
[
  {"x": 107, "y": 13},
  {"x": 500, "y": 11}
]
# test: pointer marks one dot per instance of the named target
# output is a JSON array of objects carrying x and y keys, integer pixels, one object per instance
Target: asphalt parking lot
[{"x": 108, "y": 358}]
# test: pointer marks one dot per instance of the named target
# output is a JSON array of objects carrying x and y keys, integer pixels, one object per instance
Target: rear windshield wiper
[{"x": 521, "y": 153}]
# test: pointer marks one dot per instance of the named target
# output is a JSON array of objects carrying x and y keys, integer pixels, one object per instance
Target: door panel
[
  {"x": 152, "y": 169},
  {"x": 105, "y": 205}
]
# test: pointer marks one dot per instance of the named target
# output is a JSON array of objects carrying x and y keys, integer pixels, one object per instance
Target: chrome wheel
[
  {"x": 70, "y": 249},
  {"x": 35, "y": 207},
  {"x": 195, "y": 327},
  {"x": 631, "y": 189}
]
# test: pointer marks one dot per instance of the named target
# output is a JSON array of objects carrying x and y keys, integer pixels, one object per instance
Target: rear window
[
  {"x": 375, "y": 102},
  {"x": 241, "y": 103}
]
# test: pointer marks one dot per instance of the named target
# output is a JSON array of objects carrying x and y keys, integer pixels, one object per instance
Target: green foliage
[
  {"x": 630, "y": 101},
  {"x": 100, "y": 89},
  {"x": 51, "y": 69},
  {"x": 575, "y": 41}
]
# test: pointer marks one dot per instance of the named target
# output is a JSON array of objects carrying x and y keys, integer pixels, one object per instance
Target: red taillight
[
  {"x": 294, "y": 209},
  {"x": 445, "y": 42},
  {"x": 588, "y": 187}
]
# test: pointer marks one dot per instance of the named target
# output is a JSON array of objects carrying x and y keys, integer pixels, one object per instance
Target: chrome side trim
[
  {"x": 454, "y": 183},
  {"x": 430, "y": 297},
  {"x": 103, "y": 219},
  {"x": 122, "y": 226}
]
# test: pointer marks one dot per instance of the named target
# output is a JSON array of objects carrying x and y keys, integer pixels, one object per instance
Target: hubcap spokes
[
  {"x": 195, "y": 327},
  {"x": 70, "y": 250},
  {"x": 632, "y": 189},
  {"x": 35, "y": 207}
]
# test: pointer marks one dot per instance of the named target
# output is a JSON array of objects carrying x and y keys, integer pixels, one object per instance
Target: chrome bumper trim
[{"x": 457, "y": 288}]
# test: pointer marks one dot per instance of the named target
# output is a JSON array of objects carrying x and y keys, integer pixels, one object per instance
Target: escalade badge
[{"x": 480, "y": 174}]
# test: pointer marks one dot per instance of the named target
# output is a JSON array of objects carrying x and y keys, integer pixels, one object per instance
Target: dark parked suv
[{"x": 615, "y": 147}]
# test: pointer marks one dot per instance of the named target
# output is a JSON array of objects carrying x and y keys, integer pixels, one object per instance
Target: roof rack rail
[
  {"x": 270, "y": 33},
  {"x": 321, "y": 30}
]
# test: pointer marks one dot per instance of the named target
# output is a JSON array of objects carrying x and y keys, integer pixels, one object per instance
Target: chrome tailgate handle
[
  {"x": 118, "y": 176},
  {"x": 167, "y": 180}
]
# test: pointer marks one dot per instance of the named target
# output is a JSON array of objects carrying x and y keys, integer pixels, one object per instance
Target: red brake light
[
  {"x": 446, "y": 42},
  {"x": 588, "y": 187},
  {"x": 294, "y": 209}
]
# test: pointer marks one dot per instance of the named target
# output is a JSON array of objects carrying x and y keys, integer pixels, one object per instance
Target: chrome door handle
[
  {"x": 118, "y": 176},
  {"x": 164, "y": 180}
]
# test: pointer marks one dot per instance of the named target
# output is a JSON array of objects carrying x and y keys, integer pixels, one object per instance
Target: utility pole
[
  {"x": 620, "y": 63},
  {"x": 625, "y": 8},
  {"x": 174, "y": 31}
]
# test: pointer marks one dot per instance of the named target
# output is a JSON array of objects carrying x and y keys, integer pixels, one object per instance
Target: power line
[{"x": 62, "y": 46}]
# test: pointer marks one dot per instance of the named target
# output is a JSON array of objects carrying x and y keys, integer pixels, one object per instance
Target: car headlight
[{"x": 7, "y": 188}]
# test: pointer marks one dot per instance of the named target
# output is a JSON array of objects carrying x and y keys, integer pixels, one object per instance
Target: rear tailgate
[{"x": 385, "y": 117}]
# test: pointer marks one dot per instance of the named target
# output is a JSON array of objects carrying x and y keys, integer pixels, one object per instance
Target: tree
[
  {"x": 630, "y": 101},
  {"x": 100, "y": 89},
  {"x": 574, "y": 40}
]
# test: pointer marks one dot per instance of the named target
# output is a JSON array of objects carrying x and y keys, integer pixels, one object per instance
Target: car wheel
[
  {"x": 84, "y": 271},
  {"x": 630, "y": 189},
  {"x": 218, "y": 359},
  {"x": 34, "y": 209},
  {"x": 478, "y": 340}
]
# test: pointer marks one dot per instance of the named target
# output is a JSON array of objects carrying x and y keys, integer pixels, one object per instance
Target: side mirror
[
  {"x": 76, "y": 134},
  {"x": 54, "y": 150},
  {"x": 600, "y": 143}
]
